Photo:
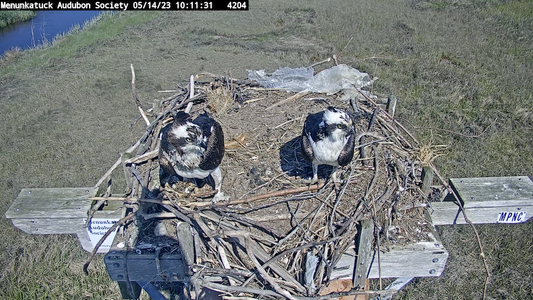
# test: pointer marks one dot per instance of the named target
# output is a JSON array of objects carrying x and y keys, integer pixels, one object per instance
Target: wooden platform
[{"x": 485, "y": 200}]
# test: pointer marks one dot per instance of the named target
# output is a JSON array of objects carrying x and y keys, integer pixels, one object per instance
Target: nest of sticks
[{"x": 259, "y": 243}]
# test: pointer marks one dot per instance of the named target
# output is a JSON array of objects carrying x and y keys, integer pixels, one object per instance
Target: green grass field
[{"x": 461, "y": 70}]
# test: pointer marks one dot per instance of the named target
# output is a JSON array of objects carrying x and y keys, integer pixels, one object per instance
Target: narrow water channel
[{"x": 43, "y": 27}]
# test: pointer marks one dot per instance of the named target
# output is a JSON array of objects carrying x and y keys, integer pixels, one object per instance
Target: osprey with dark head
[
  {"x": 328, "y": 138},
  {"x": 192, "y": 149}
]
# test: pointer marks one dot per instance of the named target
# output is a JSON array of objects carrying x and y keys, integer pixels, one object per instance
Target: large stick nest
[{"x": 258, "y": 243}]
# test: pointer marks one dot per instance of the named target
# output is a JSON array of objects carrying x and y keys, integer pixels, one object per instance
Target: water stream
[{"x": 43, "y": 27}]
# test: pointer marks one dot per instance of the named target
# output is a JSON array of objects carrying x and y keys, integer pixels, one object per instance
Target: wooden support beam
[
  {"x": 494, "y": 191},
  {"x": 186, "y": 243},
  {"x": 364, "y": 257},
  {"x": 364, "y": 253},
  {"x": 427, "y": 179},
  {"x": 391, "y": 105},
  {"x": 421, "y": 259}
]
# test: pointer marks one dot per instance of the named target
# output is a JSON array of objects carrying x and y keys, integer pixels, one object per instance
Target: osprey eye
[
  {"x": 339, "y": 126},
  {"x": 188, "y": 140}
]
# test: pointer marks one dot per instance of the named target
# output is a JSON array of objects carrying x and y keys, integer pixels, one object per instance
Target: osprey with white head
[
  {"x": 328, "y": 138},
  {"x": 192, "y": 149}
]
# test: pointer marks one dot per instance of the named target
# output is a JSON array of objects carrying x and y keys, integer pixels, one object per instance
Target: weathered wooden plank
[
  {"x": 449, "y": 213},
  {"x": 86, "y": 243},
  {"x": 423, "y": 259},
  {"x": 51, "y": 203},
  {"x": 487, "y": 200},
  {"x": 364, "y": 253},
  {"x": 427, "y": 179},
  {"x": 59, "y": 211},
  {"x": 186, "y": 245},
  {"x": 49, "y": 226},
  {"x": 494, "y": 191}
]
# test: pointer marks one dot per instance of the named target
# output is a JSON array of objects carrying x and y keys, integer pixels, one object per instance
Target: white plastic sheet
[{"x": 329, "y": 81}]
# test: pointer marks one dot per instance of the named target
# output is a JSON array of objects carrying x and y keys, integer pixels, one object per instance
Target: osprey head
[{"x": 337, "y": 122}]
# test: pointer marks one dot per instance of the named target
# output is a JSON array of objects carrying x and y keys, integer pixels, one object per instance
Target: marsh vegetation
[{"x": 8, "y": 17}]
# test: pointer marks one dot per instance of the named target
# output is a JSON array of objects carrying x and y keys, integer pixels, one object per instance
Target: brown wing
[
  {"x": 307, "y": 150},
  {"x": 346, "y": 155},
  {"x": 215, "y": 142},
  {"x": 166, "y": 171}
]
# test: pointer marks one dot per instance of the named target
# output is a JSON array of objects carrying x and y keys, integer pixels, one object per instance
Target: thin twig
[
  {"x": 139, "y": 106},
  {"x": 250, "y": 222},
  {"x": 308, "y": 245},
  {"x": 131, "y": 199},
  {"x": 338, "y": 200},
  {"x": 320, "y": 62},
  {"x": 345, "y": 46},
  {"x": 376, "y": 228},
  {"x": 191, "y": 87},
  {"x": 142, "y": 158},
  {"x": 235, "y": 289},
  {"x": 290, "y": 121},
  {"x": 291, "y": 98},
  {"x": 389, "y": 116},
  {"x": 99, "y": 203},
  {"x": 262, "y": 185}
]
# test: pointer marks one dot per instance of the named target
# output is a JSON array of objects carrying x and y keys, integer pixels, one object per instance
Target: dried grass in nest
[
  {"x": 274, "y": 219},
  {"x": 426, "y": 154}
]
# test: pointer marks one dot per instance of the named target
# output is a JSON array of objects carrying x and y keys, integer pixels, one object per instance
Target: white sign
[
  {"x": 97, "y": 228},
  {"x": 512, "y": 217}
]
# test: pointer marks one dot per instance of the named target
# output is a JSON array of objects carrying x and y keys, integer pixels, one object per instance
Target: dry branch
[
  {"x": 137, "y": 101},
  {"x": 142, "y": 158},
  {"x": 260, "y": 197}
]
